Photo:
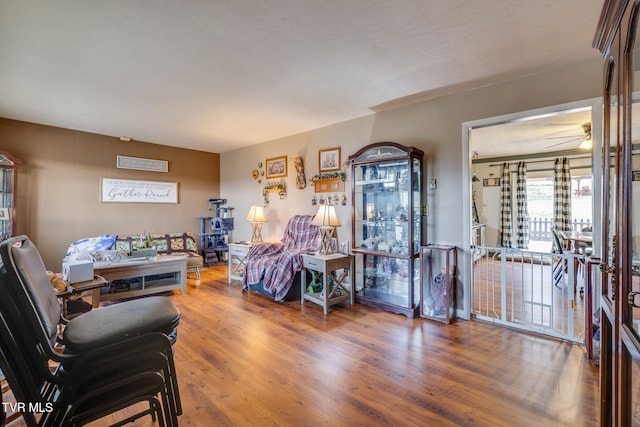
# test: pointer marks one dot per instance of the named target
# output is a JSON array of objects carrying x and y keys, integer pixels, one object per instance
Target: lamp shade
[
  {"x": 326, "y": 217},
  {"x": 256, "y": 214}
]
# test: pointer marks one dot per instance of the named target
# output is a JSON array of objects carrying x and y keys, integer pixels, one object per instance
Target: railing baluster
[{"x": 540, "y": 228}]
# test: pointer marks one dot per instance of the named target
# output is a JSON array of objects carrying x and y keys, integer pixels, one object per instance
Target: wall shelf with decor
[
  {"x": 329, "y": 182},
  {"x": 330, "y": 185},
  {"x": 279, "y": 187}
]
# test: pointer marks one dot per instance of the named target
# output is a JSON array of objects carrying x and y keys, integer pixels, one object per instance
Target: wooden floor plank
[{"x": 243, "y": 360}]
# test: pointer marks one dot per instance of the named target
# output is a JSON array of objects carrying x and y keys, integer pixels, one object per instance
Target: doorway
[{"x": 512, "y": 282}]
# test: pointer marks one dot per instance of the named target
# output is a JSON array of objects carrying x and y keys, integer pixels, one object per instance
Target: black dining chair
[
  {"x": 30, "y": 306},
  {"x": 560, "y": 262},
  {"x": 102, "y": 382},
  {"x": 28, "y": 283}
]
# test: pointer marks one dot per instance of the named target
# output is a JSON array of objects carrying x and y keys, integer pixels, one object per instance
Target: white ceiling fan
[{"x": 585, "y": 138}]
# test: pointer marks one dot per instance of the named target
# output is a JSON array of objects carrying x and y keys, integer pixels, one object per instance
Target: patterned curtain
[
  {"x": 505, "y": 208},
  {"x": 562, "y": 195},
  {"x": 522, "y": 214}
]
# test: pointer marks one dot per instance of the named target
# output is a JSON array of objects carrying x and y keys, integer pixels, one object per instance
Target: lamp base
[
  {"x": 256, "y": 232},
  {"x": 326, "y": 240}
]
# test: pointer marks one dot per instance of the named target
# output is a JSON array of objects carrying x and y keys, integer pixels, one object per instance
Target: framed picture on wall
[
  {"x": 277, "y": 167},
  {"x": 329, "y": 160},
  {"x": 4, "y": 214}
]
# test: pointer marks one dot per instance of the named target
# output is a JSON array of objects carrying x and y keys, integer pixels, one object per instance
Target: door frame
[{"x": 595, "y": 104}]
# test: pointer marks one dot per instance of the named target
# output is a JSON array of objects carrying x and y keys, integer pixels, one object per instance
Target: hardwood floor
[{"x": 245, "y": 360}]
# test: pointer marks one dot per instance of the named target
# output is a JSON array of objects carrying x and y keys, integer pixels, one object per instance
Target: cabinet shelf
[{"x": 382, "y": 253}]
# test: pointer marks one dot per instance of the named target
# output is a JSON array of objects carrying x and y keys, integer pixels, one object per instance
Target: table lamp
[
  {"x": 326, "y": 220},
  {"x": 256, "y": 217}
]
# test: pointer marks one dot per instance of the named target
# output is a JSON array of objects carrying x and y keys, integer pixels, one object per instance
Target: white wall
[
  {"x": 434, "y": 126},
  {"x": 242, "y": 191}
]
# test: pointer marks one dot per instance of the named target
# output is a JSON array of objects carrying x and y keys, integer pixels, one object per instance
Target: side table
[
  {"x": 75, "y": 290},
  {"x": 334, "y": 267},
  {"x": 237, "y": 256}
]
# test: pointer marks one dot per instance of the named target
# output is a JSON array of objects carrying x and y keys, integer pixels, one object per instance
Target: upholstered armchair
[{"x": 270, "y": 267}]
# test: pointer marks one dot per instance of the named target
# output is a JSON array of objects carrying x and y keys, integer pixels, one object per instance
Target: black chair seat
[{"x": 114, "y": 323}]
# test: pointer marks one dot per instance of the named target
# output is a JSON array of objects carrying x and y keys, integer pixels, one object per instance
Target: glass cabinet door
[
  {"x": 382, "y": 192},
  {"x": 8, "y": 170},
  {"x": 417, "y": 206},
  {"x": 386, "y": 231}
]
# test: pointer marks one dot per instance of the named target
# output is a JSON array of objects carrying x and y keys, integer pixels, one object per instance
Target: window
[{"x": 540, "y": 204}]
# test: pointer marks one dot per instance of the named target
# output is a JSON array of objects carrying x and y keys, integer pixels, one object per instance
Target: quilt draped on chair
[{"x": 276, "y": 263}]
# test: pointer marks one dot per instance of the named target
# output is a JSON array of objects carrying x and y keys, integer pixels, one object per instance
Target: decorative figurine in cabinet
[
  {"x": 8, "y": 174},
  {"x": 386, "y": 226},
  {"x": 438, "y": 282}
]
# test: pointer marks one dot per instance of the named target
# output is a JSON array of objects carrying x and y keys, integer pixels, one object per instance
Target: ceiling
[
  {"x": 549, "y": 133},
  {"x": 216, "y": 75}
]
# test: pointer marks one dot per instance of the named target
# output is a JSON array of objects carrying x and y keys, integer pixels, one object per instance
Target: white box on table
[{"x": 77, "y": 271}]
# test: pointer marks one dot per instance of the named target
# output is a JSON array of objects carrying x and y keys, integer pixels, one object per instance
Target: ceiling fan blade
[
  {"x": 566, "y": 136},
  {"x": 565, "y": 142}
]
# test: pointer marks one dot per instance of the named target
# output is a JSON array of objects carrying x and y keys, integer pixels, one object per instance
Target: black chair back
[{"x": 28, "y": 283}]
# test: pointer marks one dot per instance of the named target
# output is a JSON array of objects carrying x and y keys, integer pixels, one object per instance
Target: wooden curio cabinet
[
  {"x": 8, "y": 174},
  {"x": 617, "y": 37},
  {"x": 386, "y": 226}
]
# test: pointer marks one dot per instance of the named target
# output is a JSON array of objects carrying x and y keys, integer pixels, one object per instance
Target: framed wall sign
[
  {"x": 277, "y": 167},
  {"x": 134, "y": 191},
  {"x": 137, "y": 163},
  {"x": 491, "y": 182},
  {"x": 329, "y": 159}
]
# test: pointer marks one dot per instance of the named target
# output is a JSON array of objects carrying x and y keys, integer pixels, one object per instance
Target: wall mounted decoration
[
  {"x": 491, "y": 182},
  {"x": 133, "y": 191},
  {"x": 277, "y": 167},
  {"x": 301, "y": 179},
  {"x": 136, "y": 163},
  {"x": 329, "y": 182},
  {"x": 329, "y": 160},
  {"x": 342, "y": 175},
  {"x": 272, "y": 187}
]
